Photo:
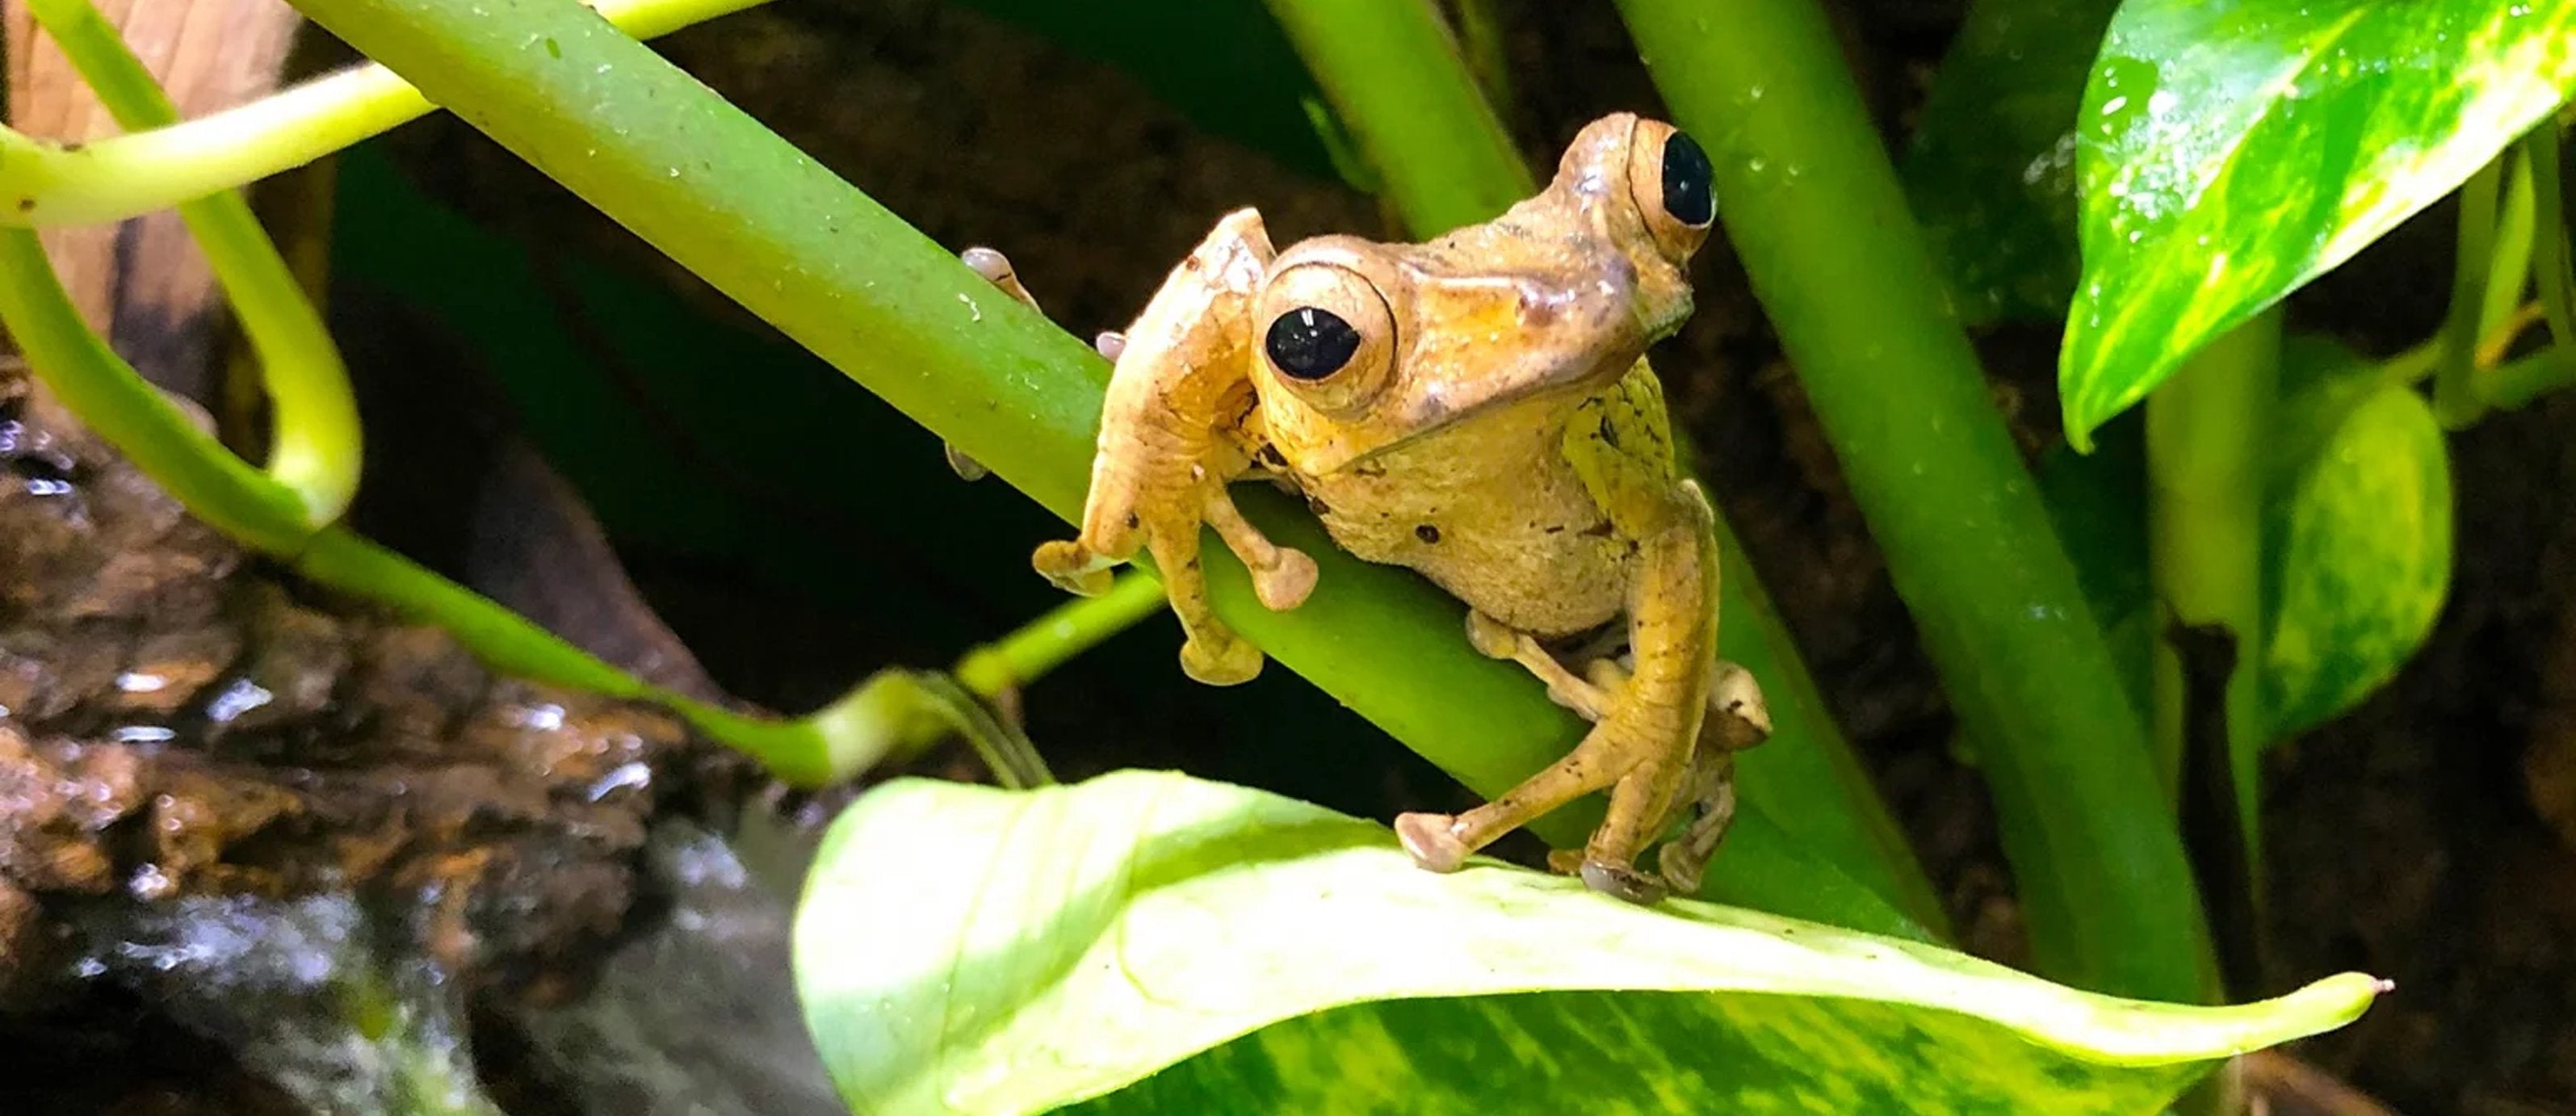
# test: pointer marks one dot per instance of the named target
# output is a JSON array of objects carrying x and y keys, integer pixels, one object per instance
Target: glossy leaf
[
  {"x": 1033, "y": 949},
  {"x": 2231, "y": 150},
  {"x": 1992, "y": 169},
  {"x": 2360, "y": 537}
]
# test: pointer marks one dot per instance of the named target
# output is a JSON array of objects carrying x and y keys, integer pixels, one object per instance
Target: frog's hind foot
[
  {"x": 1684, "y": 859},
  {"x": 1739, "y": 717},
  {"x": 1622, "y": 881},
  {"x": 996, "y": 269},
  {"x": 1432, "y": 841}
]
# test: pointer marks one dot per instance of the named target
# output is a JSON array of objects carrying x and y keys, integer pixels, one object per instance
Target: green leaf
[
  {"x": 963, "y": 949},
  {"x": 1992, "y": 169},
  {"x": 2360, "y": 537},
  {"x": 2231, "y": 150}
]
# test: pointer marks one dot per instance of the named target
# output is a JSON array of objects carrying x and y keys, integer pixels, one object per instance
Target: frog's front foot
[
  {"x": 1219, "y": 657},
  {"x": 1073, "y": 567}
]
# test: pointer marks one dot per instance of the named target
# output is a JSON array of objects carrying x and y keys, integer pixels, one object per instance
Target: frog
[{"x": 1477, "y": 408}]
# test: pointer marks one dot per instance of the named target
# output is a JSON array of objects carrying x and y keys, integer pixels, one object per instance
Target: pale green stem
[
  {"x": 315, "y": 449},
  {"x": 2509, "y": 267},
  {"x": 2455, "y": 395},
  {"x": 113, "y": 179},
  {"x": 1065, "y": 631},
  {"x": 2548, "y": 243}
]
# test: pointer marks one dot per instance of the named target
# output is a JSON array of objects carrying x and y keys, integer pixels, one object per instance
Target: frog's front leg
[
  {"x": 1649, "y": 724},
  {"x": 1171, "y": 439}
]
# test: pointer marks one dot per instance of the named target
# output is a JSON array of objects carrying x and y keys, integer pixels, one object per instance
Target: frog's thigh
[{"x": 1655, "y": 721}]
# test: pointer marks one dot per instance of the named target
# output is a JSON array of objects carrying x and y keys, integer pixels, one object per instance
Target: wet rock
[
  {"x": 208, "y": 769},
  {"x": 59, "y": 800}
]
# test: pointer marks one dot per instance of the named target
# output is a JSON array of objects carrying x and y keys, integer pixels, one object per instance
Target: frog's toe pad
[
  {"x": 1430, "y": 840},
  {"x": 1681, "y": 868},
  {"x": 1490, "y": 637},
  {"x": 1565, "y": 862},
  {"x": 1285, "y": 584},
  {"x": 1622, "y": 881},
  {"x": 1220, "y": 661},
  {"x": 1072, "y": 567},
  {"x": 1735, "y": 695}
]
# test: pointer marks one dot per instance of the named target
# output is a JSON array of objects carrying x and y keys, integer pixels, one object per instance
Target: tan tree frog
[{"x": 1478, "y": 409}]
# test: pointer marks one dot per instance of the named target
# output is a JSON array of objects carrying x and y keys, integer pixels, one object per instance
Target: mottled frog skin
[{"x": 1476, "y": 408}]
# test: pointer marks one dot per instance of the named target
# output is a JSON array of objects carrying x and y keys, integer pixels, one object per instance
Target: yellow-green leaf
[
  {"x": 963, "y": 949},
  {"x": 2360, "y": 538},
  {"x": 2231, "y": 150}
]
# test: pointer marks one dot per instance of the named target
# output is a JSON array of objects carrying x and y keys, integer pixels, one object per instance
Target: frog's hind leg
[{"x": 1738, "y": 719}]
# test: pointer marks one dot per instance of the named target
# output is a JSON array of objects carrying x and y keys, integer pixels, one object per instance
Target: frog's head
[{"x": 1363, "y": 346}]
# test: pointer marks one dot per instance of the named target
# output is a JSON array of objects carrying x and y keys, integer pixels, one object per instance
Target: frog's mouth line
[{"x": 1596, "y": 378}]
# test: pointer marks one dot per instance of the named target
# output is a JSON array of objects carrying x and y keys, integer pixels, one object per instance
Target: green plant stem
[
  {"x": 1806, "y": 778},
  {"x": 1812, "y": 207},
  {"x": 126, "y": 176},
  {"x": 133, "y": 415},
  {"x": 1393, "y": 74},
  {"x": 832, "y": 744},
  {"x": 2208, "y": 429},
  {"x": 2548, "y": 244},
  {"x": 2455, "y": 393},
  {"x": 2509, "y": 266},
  {"x": 831, "y": 269},
  {"x": 314, "y": 450},
  {"x": 2517, "y": 382},
  {"x": 1065, "y": 631}
]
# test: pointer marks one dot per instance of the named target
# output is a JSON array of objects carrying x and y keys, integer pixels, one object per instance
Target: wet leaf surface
[
  {"x": 2229, "y": 152},
  {"x": 1049, "y": 947}
]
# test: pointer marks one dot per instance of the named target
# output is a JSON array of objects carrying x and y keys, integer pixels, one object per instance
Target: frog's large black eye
[
  {"x": 1686, "y": 182},
  {"x": 1311, "y": 343}
]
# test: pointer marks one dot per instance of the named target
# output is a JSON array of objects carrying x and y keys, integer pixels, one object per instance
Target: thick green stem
[
  {"x": 1806, "y": 778},
  {"x": 757, "y": 219},
  {"x": 126, "y": 176},
  {"x": 2206, "y": 450},
  {"x": 1392, "y": 70},
  {"x": 2208, "y": 430},
  {"x": 1812, "y": 206},
  {"x": 314, "y": 450}
]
